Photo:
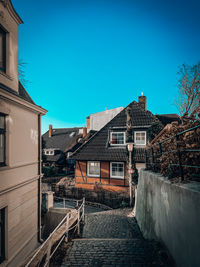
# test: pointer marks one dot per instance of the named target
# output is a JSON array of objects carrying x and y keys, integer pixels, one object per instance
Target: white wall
[
  {"x": 170, "y": 213},
  {"x": 98, "y": 120}
]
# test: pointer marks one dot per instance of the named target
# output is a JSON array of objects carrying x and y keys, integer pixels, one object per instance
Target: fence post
[
  {"x": 179, "y": 158},
  {"x": 67, "y": 228},
  {"x": 78, "y": 223},
  {"x": 48, "y": 254},
  {"x": 83, "y": 214},
  {"x": 152, "y": 154},
  {"x": 160, "y": 145},
  {"x": 146, "y": 159}
]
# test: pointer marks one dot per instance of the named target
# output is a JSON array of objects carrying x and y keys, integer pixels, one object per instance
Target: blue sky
[{"x": 87, "y": 55}]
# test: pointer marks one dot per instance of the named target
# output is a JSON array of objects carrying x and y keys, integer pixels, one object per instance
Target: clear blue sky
[{"x": 87, "y": 55}]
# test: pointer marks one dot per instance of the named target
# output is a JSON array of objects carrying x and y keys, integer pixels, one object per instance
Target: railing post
[
  {"x": 83, "y": 214},
  {"x": 78, "y": 223},
  {"x": 146, "y": 160},
  {"x": 152, "y": 154},
  {"x": 48, "y": 254},
  {"x": 67, "y": 228},
  {"x": 160, "y": 161},
  {"x": 160, "y": 145},
  {"x": 179, "y": 158}
]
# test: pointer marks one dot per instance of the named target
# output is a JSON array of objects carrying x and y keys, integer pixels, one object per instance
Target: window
[
  {"x": 93, "y": 169},
  {"x": 117, "y": 170},
  {"x": 49, "y": 152},
  {"x": 2, "y": 235},
  {"x": 117, "y": 138},
  {"x": 2, "y": 139},
  {"x": 2, "y": 50},
  {"x": 140, "y": 138}
]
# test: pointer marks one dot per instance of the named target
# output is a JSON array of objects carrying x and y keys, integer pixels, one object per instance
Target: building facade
[
  {"x": 20, "y": 146},
  {"x": 104, "y": 159}
]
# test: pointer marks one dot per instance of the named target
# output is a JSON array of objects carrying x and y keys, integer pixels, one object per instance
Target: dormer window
[
  {"x": 140, "y": 138},
  {"x": 49, "y": 152},
  {"x": 2, "y": 50},
  {"x": 117, "y": 138}
]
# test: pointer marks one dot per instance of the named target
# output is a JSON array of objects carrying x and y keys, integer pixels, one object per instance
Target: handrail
[
  {"x": 48, "y": 240},
  {"x": 174, "y": 136},
  {"x": 157, "y": 155},
  {"x": 93, "y": 204}
]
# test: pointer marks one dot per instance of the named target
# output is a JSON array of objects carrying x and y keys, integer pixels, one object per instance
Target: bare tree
[
  {"x": 188, "y": 101},
  {"x": 21, "y": 73}
]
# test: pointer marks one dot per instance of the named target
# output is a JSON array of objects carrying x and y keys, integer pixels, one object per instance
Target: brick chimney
[
  {"x": 88, "y": 122},
  {"x": 84, "y": 132},
  {"x": 50, "y": 130},
  {"x": 142, "y": 100}
]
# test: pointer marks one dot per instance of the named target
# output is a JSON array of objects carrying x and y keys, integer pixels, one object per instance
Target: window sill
[{"x": 120, "y": 178}]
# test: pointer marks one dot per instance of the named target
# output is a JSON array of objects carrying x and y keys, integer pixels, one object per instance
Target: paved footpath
[{"x": 111, "y": 238}]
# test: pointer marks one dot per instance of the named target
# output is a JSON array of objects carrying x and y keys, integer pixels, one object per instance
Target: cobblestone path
[{"x": 111, "y": 238}]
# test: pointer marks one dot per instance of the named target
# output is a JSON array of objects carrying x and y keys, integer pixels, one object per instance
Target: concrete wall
[
  {"x": 170, "y": 213},
  {"x": 99, "y": 119}
]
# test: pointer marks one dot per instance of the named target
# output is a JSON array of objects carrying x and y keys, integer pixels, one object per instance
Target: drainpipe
[{"x": 39, "y": 179}]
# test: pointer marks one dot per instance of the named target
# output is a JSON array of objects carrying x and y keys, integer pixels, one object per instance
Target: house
[
  {"x": 168, "y": 118},
  {"x": 103, "y": 159},
  {"x": 20, "y": 146},
  {"x": 58, "y": 144},
  {"x": 96, "y": 121}
]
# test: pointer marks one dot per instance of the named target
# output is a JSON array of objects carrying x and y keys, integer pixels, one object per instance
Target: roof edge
[{"x": 8, "y": 4}]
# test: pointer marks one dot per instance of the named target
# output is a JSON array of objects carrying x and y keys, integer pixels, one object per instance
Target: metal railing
[
  {"x": 158, "y": 157},
  {"x": 71, "y": 221},
  {"x": 64, "y": 203}
]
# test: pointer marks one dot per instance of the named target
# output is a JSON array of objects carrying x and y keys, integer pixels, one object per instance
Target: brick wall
[{"x": 105, "y": 181}]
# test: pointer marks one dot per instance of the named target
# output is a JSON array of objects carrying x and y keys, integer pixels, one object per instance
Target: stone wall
[{"x": 170, "y": 213}]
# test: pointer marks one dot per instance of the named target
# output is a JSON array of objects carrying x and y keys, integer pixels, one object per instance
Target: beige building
[{"x": 20, "y": 146}]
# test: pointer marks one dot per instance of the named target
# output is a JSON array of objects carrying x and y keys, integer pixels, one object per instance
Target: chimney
[
  {"x": 88, "y": 122},
  {"x": 50, "y": 130},
  {"x": 142, "y": 100},
  {"x": 84, "y": 132}
]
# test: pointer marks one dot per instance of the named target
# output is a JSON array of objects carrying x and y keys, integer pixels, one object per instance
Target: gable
[{"x": 97, "y": 148}]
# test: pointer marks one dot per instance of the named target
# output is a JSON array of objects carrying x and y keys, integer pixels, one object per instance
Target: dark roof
[
  {"x": 75, "y": 145},
  {"x": 59, "y": 158},
  {"x": 168, "y": 118},
  {"x": 97, "y": 148},
  {"x": 22, "y": 93},
  {"x": 61, "y": 138}
]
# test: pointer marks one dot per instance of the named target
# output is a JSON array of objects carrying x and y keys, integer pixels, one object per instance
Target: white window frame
[
  {"x": 49, "y": 152},
  {"x": 135, "y": 138},
  {"x": 93, "y": 175},
  {"x": 117, "y": 144},
  {"x": 111, "y": 175}
]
